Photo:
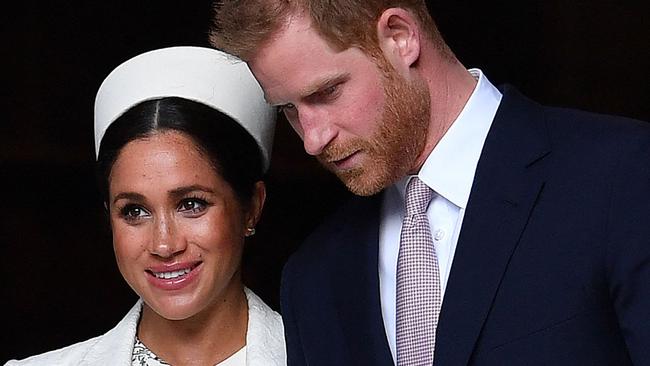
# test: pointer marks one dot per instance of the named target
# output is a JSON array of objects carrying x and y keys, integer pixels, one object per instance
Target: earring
[{"x": 250, "y": 231}]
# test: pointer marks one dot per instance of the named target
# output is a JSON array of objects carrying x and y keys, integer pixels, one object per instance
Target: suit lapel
[
  {"x": 506, "y": 186},
  {"x": 358, "y": 300}
]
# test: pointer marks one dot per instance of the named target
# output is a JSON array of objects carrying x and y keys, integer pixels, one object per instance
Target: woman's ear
[
  {"x": 399, "y": 34},
  {"x": 256, "y": 205}
]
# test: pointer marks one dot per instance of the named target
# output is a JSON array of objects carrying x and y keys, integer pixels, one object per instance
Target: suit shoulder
[
  {"x": 583, "y": 135},
  {"x": 597, "y": 137},
  {"x": 570, "y": 124},
  {"x": 338, "y": 232},
  {"x": 597, "y": 122}
]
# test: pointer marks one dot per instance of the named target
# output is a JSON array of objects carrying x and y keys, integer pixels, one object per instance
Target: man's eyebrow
[
  {"x": 314, "y": 88},
  {"x": 324, "y": 83}
]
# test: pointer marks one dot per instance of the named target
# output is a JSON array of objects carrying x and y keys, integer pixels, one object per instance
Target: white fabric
[
  {"x": 204, "y": 75},
  {"x": 264, "y": 341},
  {"x": 238, "y": 359},
  {"x": 449, "y": 171}
]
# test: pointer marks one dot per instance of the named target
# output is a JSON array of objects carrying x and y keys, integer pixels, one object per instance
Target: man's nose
[{"x": 317, "y": 130}]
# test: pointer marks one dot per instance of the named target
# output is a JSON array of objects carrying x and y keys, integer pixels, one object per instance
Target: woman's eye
[
  {"x": 192, "y": 205},
  {"x": 133, "y": 212}
]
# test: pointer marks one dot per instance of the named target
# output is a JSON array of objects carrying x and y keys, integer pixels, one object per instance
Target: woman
[{"x": 183, "y": 137}]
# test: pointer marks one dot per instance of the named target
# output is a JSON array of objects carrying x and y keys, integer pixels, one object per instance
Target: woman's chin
[{"x": 173, "y": 309}]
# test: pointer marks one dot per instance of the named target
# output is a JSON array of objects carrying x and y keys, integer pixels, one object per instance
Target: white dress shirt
[{"x": 449, "y": 172}]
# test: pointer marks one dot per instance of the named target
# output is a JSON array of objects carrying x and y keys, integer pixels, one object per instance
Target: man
[{"x": 535, "y": 246}]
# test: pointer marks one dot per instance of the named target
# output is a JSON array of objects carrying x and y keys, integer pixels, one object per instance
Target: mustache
[{"x": 335, "y": 152}]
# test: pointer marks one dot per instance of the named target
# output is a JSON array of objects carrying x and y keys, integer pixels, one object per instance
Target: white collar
[
  {"x": 449, "y": 169},
  {"x": 264, "y": 337}
]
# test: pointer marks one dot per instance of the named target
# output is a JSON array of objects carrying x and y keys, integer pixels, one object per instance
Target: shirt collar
[{"x": 449, "y": 169}]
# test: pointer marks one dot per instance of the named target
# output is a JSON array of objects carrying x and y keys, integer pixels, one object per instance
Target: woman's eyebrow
[
  {"x": 182, "y": 191},
  {"x": 130, "y": 196}
]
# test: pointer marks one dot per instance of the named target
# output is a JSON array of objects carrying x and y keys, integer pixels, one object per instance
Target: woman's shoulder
[
  {"x": 265, "y": 337},
  {"x": 114, "y": 345},
  {"x": 69, "y": 355},
  {"x": 262, "y": 312}
]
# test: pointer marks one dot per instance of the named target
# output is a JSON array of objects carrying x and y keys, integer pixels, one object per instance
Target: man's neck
[{"x": 450, "y": 87}]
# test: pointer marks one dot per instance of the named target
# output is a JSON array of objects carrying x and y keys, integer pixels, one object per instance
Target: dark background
[{"x": 60, "y": 283}]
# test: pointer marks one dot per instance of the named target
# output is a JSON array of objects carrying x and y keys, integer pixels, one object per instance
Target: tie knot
[{"x": 418, "y": 196}]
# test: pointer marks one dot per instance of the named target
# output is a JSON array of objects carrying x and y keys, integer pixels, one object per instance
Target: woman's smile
[{"x": 174, "y": 277}]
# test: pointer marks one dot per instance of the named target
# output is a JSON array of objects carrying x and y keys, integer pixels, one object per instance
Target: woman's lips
[{"x": 175, "y": 276}]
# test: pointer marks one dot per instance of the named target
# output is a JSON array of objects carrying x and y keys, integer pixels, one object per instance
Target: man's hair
[{"x": 240, "y": 27}]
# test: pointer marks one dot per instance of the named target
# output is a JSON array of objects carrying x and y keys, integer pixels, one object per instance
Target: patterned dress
[{"x": 143, "y": 356}]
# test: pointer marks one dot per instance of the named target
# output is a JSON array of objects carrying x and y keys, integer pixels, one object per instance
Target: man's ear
[{"x": 399, "y": 37}]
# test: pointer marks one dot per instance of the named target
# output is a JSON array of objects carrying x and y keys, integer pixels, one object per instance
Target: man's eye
[
  {"x": 326, "y": 95},
  {"x": 329, "y": 90},
  {"x": 286, "y": 107},
  {"x": 290, "y": 112}
]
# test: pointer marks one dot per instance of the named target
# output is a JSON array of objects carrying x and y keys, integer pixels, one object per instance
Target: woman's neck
[{"x": 206, "y": 338}]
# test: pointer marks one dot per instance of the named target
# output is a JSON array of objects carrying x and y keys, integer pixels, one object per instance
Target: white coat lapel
[{"x": 116, "y": 346}]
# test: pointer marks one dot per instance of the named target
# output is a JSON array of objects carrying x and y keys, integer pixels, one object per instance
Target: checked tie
[{"x": 418, "y": 281}]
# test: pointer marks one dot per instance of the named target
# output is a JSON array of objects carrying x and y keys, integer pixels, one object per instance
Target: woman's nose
[{"x": 167, "y": 239}]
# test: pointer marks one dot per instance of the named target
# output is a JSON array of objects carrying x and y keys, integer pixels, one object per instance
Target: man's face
[{"x": 366, "y": 125}]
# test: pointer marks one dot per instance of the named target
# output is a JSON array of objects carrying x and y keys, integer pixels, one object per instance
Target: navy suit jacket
[{"x": 552, "y": 265}]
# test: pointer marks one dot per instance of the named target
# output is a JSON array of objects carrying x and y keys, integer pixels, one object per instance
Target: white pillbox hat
[{"x": 204, "y": 75}]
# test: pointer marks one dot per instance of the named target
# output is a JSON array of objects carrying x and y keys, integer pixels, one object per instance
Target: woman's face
[{"x": 178, "y": 229}]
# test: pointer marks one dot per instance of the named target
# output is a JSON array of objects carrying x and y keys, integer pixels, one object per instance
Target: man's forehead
[{"x": 295, "y": 62}]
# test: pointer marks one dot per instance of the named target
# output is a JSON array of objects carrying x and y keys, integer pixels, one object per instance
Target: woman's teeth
[{"x": 173, "y": 274}]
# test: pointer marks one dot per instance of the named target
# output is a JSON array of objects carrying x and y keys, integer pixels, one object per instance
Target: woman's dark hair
[{"x": 232, "y": 151}]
